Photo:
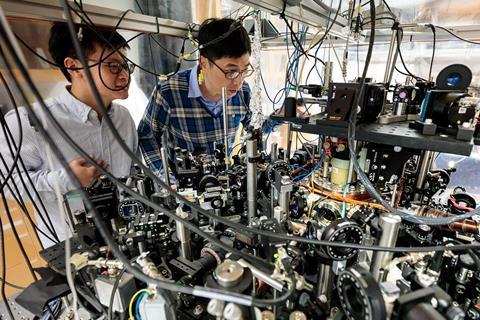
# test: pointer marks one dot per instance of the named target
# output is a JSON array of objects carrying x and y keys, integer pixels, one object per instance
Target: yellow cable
[{"x": 130, "y": 306}]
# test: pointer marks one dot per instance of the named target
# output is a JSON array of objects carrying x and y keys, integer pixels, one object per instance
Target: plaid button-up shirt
[{"x": 187, "y": 121}]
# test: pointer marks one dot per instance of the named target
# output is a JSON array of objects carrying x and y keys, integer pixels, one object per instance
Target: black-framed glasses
[
  {"x": 117, "y": 67},
  {"x": 232, "y": 75}
]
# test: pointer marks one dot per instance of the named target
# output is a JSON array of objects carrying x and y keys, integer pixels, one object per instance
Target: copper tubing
[
  {"x": 425, "y": 211},
  {"x": 341, "y": 198},
  {"x": 468, "y": 226}
]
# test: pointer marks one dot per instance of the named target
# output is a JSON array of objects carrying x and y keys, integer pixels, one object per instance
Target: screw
[{"x": 198, "y": 310}]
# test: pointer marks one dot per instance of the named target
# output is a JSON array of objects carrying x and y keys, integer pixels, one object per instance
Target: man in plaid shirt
[{"x": 188, "y": 106}]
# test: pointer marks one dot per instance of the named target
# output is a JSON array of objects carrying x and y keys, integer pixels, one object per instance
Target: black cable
[
  {"x": 262, "y": 232},
  {"x": 433, "y": 50},
  {"x": 457, "y": 36},
  {"x": 265, "y": 88},
  {"x": 361, "y": 174},
  {"x": 401, "y": 72},
  {"x": 4, "y": 271},
  {"x": 233, "y": 27},
  {"x": 20, "y": 138},
  {"x": 199, "y": 291},
  {"x": 17, "y": 197},
  {"x": 9, "y": 137},
  {"x": 310, "y": 72},
  {"x": 386, "y": 5},
  {"x": 276, "y": 301},
  {"x": 330, "y": 27},
  {"x": 320, "y": 42},
  {"x": 168, "y": 51},
  {"x": 306, "y": 140},
  {"x": 221, "y": 219},
  {"x": 399, "y": 41},
  {"x": 150, "y": 38},
  {"x": 99, "y": 222},
  {"x": 11, "y": 284},
  {"x": 112, "y": 295},
  {"x": 295, "y": 56},
  {"x": 54, "y": 64},
  {"x": 292, "y": 33},
  {"x": 182, "y": 289},
  {"x": 90, "y": 293},
  {"x": 17, "y": 237},
  {"x": 21, "y": 204},
  {"x": 106, "y": 41},
  {"x": 290, "y": 27}
]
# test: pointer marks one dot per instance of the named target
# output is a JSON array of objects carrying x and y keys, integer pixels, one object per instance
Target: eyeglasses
[
  {"x": 117, "y": 67},
  {"x": 231, "y": 75}
]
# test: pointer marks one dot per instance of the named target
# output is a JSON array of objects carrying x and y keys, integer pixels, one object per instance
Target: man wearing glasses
[
  {"x": 188, "y": 106},
  {"x": 79, "y": 114}
]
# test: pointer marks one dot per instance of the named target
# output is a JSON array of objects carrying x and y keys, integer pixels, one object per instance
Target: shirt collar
[
  {"x": 193, "y": 86},
  {"x": 194, "y": 89},
  {"x": 77, "y": 107}
]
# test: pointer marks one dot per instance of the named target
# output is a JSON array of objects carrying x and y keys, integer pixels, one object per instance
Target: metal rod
[
  {"x": 272, "y": 200},
  {"x": 274, "y": 157},
  {"x": 274, "y": 151},
  {"x": 327, "y": 76},
  {"x": 391, "y": 50},
  {"x": 183, "y": 235},
  {"x": 166, "y": 169},
  {"x": 424, "y": 165},
  {"x": 251, "y": 178},
  {"x": 289, "y": 141},
  {"x": 325, "y": 283},
  {"x": 284, "y": 201},
  {"x": 225, "y": 126},
  {"x": 350, "y": 166},
  {"x": 389, "y": 224},
  {"x": 257, "y": 273},
  {"x": 394, "y": 62}
]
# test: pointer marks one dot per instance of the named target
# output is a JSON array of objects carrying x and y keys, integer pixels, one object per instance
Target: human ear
[
  {"x": 203, "y": 62},
  {"x": 71, "y": 64}
]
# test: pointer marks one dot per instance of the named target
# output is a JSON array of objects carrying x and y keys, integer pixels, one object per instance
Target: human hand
[{"x": 86, "y": 173}]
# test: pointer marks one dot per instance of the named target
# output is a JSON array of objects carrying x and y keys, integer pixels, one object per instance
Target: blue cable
[
  {"x": 317, "y": 166},
  {"x": 137, "y": 305},
  {"x": 54, "y": 307}
]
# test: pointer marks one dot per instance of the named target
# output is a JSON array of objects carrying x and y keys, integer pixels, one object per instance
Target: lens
[
  {"x": 354, "y": 301},
  {"x": 454, "y": 79}
]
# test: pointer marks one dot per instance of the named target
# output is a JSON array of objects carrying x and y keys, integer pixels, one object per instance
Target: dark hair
[
  {"x": 234, "y": 45},
  {"x": 61, "y": 46}
]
